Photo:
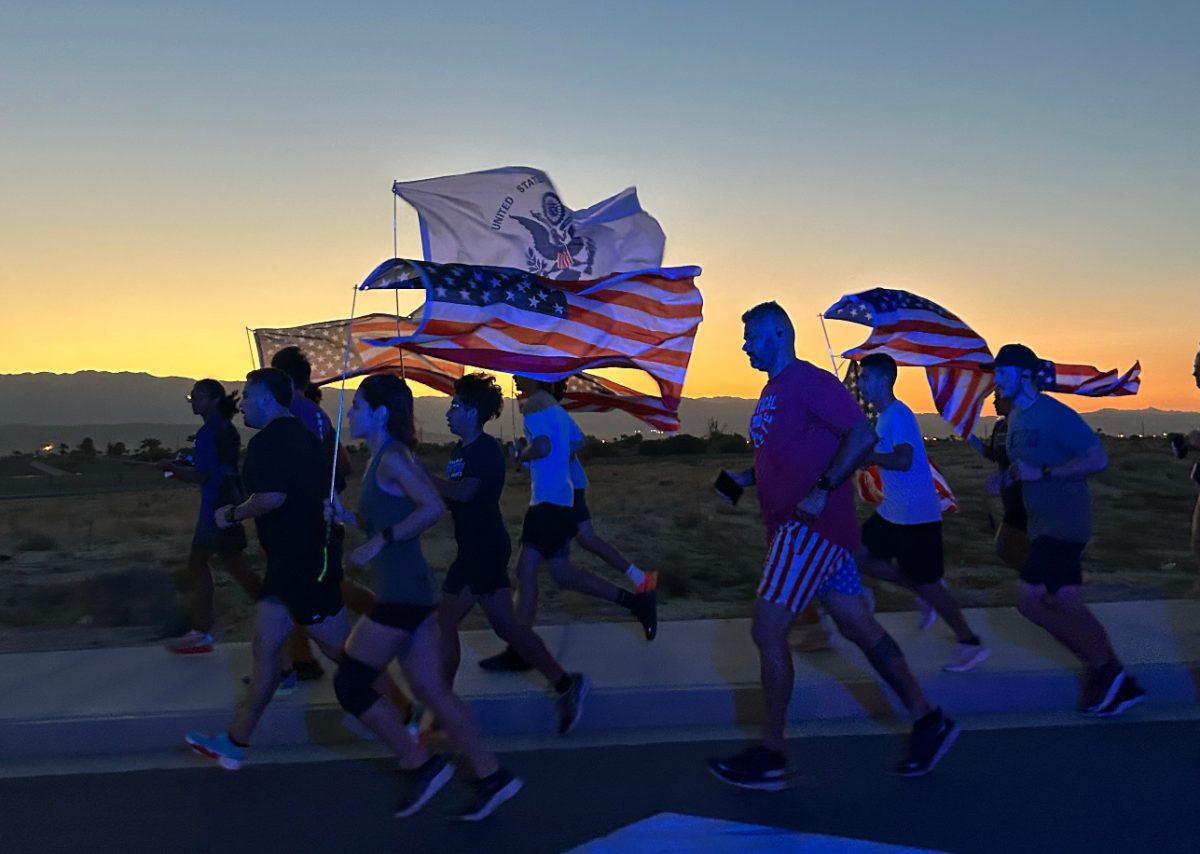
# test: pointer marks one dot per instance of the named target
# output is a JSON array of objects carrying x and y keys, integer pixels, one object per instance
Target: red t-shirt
[{"x": 797, "y": 427}]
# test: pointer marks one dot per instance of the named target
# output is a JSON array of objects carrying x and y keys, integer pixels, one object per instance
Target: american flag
[
  {"x": 868, "y": 484},
  {"x": 503, "y": 319},
  {"x": 589, "y": 393},
  {"x": 917, "y": 331},
  {"x": 1088, "y": 381},
  {"x": 324, "y": 345}
]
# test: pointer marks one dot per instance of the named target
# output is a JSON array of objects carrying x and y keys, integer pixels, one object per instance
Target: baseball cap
[{"x": 1017, "y": 356}]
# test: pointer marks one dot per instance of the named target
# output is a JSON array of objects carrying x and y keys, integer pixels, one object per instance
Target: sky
[{"x": 177, "y": 172}]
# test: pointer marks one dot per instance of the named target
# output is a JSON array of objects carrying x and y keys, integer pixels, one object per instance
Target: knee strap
[{"x": 354, "y": 685}]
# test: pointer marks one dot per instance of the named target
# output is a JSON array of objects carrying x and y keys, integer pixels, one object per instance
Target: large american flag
[
  {"x": 917, "y": 331},
  {"x": 324, "y": 345},
  {"x": 503, "y": 319}
]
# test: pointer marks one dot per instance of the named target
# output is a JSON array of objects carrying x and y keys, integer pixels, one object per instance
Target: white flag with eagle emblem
[{"x": 514, "y": 217}]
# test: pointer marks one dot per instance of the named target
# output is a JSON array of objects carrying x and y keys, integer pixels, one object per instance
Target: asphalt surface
[{"x": 1111, "y": 786}]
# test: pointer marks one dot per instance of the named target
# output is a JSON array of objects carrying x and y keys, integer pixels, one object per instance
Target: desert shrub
[
  {"x": 726, "y": 443},
  {"x": 36, "y": 541},
  {"x": 672, "y": 446}
]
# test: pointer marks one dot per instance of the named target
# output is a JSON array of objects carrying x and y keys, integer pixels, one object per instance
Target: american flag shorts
[{"x": 801, "y": 563}]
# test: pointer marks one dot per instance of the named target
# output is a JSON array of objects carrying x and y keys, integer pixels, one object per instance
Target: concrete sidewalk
[{"x": 697, "y": 673}]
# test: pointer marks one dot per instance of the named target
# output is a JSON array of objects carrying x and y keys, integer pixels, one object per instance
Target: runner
[
  {"x": 215, "y": 468},
  {"x": 292, "y": 361},
  {"x": 902, "y": 541},
  {"x": 1053, "y": 452},
  {"x": 479, "y": 574},
  {"x": 1012, "y": 538},
  {"x": 809, "y": 436},
  {"x": 397, "y": 503},
  {"x": 286, "y": 477},
  {"x": 551, "y": 437},
  {"x": 586, "y": 536}
]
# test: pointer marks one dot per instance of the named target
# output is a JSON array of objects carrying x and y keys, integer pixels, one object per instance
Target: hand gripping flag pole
[{"x": 337, "y": 432}]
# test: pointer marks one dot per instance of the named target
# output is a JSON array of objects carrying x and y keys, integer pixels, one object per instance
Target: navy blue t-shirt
[{"x": 478, "y": 525}]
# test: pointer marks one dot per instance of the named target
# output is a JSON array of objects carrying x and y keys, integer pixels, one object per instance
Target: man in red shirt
[{"x": 809, "y": 438}]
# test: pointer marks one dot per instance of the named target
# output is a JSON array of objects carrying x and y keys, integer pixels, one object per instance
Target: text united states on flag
[
  {"x": 916, "y": 331},
  {"x": 503, "y": 319}
]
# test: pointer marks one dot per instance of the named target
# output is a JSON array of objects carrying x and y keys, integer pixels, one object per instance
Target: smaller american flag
[
  {"x": 1088, "y": 381},
  {"x": 868, "y": 484},
  {"x": 917, "y": 331}
]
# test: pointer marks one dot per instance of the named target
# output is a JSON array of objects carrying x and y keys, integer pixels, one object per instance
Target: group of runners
[{"x": 810, "y": 437}]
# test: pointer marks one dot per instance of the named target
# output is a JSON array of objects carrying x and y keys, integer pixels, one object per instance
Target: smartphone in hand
[{"x": 728, "y": 487}]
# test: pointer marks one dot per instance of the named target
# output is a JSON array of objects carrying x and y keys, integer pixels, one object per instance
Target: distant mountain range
[{"x": 128, "y": 407}]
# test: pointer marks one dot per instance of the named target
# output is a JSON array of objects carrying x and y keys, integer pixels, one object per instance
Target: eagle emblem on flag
[{"x": 558, "y": 249}]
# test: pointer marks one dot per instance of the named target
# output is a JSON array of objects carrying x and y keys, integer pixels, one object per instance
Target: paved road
[{"x": 1106, "y": 787}]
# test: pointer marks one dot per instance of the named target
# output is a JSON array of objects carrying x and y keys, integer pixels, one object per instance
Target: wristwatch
[
  {"x": 824, "y": 483},
  {"x": 388, "y": 534},
  {"x": 1045, "y": 472},
  {"x": 229, "y": 515}
]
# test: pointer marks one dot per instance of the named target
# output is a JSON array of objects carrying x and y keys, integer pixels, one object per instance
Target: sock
[
  {"x": 563, "y": 684},
  {"x": 235, "y": 742},
  {"x": 625, "y": 599},
  {"x": 973, "y": 640},
  {"x": 635, "y": 575}
]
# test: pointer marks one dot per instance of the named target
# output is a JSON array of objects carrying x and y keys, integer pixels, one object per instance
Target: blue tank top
[{"x": 401, "y": 575}]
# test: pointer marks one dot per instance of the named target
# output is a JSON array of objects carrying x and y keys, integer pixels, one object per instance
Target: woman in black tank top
[{"x": 406, "y": 631}]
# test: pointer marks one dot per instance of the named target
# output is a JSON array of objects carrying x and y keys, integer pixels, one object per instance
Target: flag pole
[
  {"x": 395, "y": 292},
  {"x": 250, "y": 344},
  {"x": 337, "y": 431},
  {"x": 829, "y": 346}
]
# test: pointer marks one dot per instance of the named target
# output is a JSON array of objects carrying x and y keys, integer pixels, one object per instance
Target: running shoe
[
  {"x": 649, "y": 582},
  {"x": 1129, "y": 694},
  {"x": 757, "y": 767},
  {"x": 927, "y": 745},
  {"x": 490, "y": 793},
  {"x": 287, "y": 684},
  {"x": 306, "y": 671},
  {"x": 193, "y": 643},
  {"x": 423, "y": 783},
  {"x": 645, "y": 608},
  {"x": 927, "y": 616},
  {"x": 570, "y": 702},
  {"x": 228, "y": 755},
  {"x": 509, "y": 660},
  {"x": 1101, "y": 686},
  {"x": 966, "y": 657}
]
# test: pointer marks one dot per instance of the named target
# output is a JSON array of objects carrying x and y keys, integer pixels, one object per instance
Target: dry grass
[{"x": 112, "y": 560}]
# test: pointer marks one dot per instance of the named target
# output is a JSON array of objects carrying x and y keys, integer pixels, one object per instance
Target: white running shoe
[{"x": 966, "y": 657}]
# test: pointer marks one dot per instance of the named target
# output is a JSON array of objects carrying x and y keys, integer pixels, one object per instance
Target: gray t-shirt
[{"x": 1049, "y": 433}]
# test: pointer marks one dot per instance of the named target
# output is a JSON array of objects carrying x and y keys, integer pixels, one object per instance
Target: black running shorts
[
  {"x": 1053, "y": 563},
  {"x": 549, "y": 529},
  {"x": 582, "y": 513},
  {"x": 916, "y": 549},
  {"x": 483, "y": 571}
]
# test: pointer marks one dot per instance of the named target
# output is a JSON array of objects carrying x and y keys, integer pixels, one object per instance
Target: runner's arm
[
  {"x": 898, "y": 459},
  {"x": 256, "y": 505},
  {"x": 1092, "y": 461},
  {"x": 535, "y": 450}
]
